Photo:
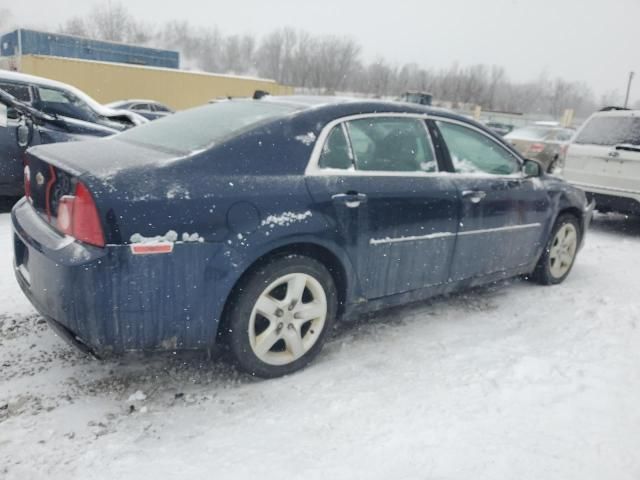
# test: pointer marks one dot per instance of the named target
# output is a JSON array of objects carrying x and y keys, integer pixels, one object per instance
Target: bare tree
[
  {"x": 5, "y": 17},
  {"x": 111, "y": 22}
]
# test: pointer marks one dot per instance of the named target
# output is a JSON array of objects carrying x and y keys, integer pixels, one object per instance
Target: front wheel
[
  {"x": 560, "y": 253},
  {"x": 280, "y": 315}
]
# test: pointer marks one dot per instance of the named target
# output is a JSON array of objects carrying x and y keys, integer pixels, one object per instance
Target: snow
[
  {"x": 170, "y": 237},
  {"x": 308, "y": 138},
  {"x": 509, "y": 381},
  {"x": 285, "y": 219}
]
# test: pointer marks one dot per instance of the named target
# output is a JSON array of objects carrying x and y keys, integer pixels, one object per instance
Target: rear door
[
  {"x": 502, "y": 214},
  {"x": 606, "y": 153},
  {"x": 377, "y": 178}
]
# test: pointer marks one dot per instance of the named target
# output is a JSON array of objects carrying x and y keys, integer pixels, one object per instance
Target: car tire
[
  {"x": 559, "y": 254},
  {"x": 280, "y": 315}
]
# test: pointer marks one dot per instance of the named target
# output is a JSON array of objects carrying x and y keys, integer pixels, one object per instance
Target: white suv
[{"x": 603, "y": 159}]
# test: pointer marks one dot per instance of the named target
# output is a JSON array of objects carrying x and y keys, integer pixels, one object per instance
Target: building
[
  {"x": 110, "y": 71},
  {"x": 32, "y": 42}
]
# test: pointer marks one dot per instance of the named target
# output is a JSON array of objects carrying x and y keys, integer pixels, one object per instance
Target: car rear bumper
[
  {"x": 108, "y": 300},
  {"x": 612, "y": 199}
]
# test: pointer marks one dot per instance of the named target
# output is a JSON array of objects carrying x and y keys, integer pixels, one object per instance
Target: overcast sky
[{"x": 593, "y": 41}]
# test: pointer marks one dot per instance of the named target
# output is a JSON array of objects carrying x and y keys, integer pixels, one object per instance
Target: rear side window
[
  {"x": 610, "y": 131},
  {"x": 21, "y": 92},
  {"x": 141, "y": 106},
  {"x": 336, "y": 152},
  {"x": 201, "y": 127},
  {"x": 473, "y": 152},
  {"x": 391, "y": 145}
]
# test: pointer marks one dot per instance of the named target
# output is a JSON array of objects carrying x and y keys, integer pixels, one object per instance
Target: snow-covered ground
[{"x": 515, "y": 381}]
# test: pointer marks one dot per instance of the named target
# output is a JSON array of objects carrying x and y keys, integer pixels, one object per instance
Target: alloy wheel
[
  {"x": 563, "y": 250},
  {"x": 287, "y": 319}
]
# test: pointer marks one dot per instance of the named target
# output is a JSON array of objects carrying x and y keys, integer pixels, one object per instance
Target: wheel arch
[{"x": 337, "y": 264}]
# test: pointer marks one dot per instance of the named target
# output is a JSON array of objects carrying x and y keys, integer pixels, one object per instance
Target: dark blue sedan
[{"x": 258, "y": 223}]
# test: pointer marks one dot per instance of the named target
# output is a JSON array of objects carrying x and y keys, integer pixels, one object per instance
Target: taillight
[
  {"x": 536, "y": 147},
  {"x": 27, "y": 181},
  {"x": 78, "y": 217}
]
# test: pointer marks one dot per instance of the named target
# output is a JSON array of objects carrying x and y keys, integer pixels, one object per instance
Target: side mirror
[
  {"x": 23, "y": 134},
  {"x": 531, "y": 168}
]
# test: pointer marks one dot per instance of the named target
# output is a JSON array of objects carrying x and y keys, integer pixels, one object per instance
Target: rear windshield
[
  {"x": 202, "y": 127},
  {"x": 530, "y": 133},
  {"x": 610, "y": 131}
]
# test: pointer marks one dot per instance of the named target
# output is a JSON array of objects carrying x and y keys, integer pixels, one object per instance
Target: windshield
[
  {"x": 59, "y": 102},
  {"x": 611, "y": 131},
  {"x": 201, "y": 127}
]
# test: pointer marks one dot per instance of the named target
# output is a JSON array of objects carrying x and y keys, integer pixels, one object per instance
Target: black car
[
  {"x": 22, "y": 126},
  {"x": 258, "y": 223},
  {"x": 149, "y": 109}
]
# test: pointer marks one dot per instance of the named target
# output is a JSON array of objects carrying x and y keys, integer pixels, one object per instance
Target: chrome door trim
[{"x": 433, "y": 236}]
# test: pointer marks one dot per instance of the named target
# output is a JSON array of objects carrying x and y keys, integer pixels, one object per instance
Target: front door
[
  {"x": 502, "y": 214},
  {"x": 396, "y": 215}
]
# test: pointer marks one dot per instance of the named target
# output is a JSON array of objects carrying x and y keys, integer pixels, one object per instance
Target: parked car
[
  {"x": 149, "y": 109},
  {"x": 259, "y": 223},
  {"x": 420, "y": 98},
  {"x": 604, "y": 160},
  {"x": 22, "y": 126},
  {"x": 65, "y": 101},
  {"x": 542, "y": 143},
  {"x": 500, "y": 128}
]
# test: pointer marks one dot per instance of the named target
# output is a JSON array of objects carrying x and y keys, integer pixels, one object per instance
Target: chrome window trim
[{"x": 314, "y": 170}]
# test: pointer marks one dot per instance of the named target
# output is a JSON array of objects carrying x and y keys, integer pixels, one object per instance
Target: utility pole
[{"x": 626, "y": 99}]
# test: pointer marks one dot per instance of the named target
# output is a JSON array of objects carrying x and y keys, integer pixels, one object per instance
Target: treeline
[{"x": 329, "y": 64}]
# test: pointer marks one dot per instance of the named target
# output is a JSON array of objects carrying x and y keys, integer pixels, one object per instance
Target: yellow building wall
[{"x": 179, "y": 89}]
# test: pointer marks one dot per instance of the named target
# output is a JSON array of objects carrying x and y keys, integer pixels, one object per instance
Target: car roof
[
  {"x": 137, "y": 100},
  {"x": 32, "y": 79},
  {"x": 344, "y": 106},
  {"x": 617, "y": 113}
]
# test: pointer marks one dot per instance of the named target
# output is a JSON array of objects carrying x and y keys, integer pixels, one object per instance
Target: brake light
[
  {"x": 536, "y": 147},
  {"x": 78, "y": 217}
]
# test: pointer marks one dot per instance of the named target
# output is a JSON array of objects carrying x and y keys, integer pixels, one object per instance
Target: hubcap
[
  {"x": 563, "y": 250},
  {"x": 287, "y": 319}
]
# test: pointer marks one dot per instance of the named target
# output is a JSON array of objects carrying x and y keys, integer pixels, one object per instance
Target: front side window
[
  {"x": 473, "y": 152},
  {"x": 391, "y": 145},
  {"x": 141, "y": 107},
  {"x": 336, "y": 152},
  {"x": 610, "y": 131}
]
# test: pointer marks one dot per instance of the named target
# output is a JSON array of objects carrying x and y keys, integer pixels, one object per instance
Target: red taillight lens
[
  {"x": 27, "y": 181},
  {"x": 536, "y": 147},
  {"x": 78, "y": 217}
]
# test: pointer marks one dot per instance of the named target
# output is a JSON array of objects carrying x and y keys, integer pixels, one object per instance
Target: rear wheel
[
  {"x": 560, "y": 253},
  {"x": 280, "y": 316}
]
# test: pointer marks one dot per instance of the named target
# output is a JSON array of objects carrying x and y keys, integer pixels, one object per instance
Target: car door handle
[
  {"x": 350, "y": 199},
  {"x": 614, "y": 153},
  {"x": 474, "y": 196}
]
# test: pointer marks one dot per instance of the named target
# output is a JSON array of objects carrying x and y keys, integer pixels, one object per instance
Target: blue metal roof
[{"x": 33, "y": 42}]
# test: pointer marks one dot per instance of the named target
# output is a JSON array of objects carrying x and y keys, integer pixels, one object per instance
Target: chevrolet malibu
[{"x": 258, "y": 223}]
